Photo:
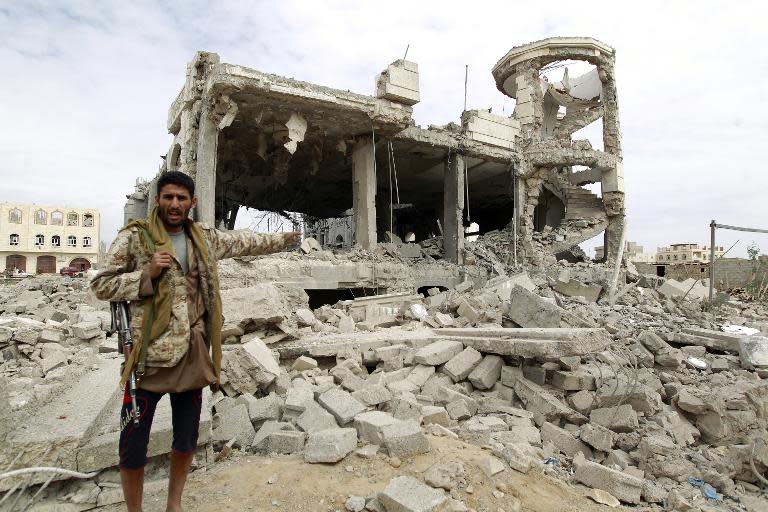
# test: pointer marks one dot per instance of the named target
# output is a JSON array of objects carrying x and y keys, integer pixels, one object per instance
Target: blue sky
[{"x": 86, "y": 87}]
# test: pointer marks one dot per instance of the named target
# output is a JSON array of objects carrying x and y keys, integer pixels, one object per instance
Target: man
[{"x": 166, "y": 267}]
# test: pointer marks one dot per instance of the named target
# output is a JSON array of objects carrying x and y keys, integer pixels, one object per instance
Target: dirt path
[{"x": 243, "y": 484}]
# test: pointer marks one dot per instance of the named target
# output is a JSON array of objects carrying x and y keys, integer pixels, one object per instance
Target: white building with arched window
[{"x": 43, "y": 239}]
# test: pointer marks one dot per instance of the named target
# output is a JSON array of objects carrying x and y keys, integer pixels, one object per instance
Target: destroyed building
[
  {"x": 273, "y": 143},
  {"x": 466, "y": 385}
]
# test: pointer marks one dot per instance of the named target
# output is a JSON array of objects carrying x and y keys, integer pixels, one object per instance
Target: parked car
[{"x": 71, "y": 272}]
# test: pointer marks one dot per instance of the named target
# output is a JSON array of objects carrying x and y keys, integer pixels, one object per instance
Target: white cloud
[{"x": 86, "y": 88}]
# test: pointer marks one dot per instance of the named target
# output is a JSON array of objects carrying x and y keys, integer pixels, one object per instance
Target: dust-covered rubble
[{"x": 645, "y": 400}]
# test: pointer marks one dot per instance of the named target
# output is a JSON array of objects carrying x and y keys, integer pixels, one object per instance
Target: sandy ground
[{"x": 242, "y": 483}]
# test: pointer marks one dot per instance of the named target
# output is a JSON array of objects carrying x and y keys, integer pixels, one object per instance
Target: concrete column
[
  {"x": 364, "y": 193},
  {"x": 612, "y": 237},
  {"x": 205, "y": 178},
  {"x": 453, "y": 209}
]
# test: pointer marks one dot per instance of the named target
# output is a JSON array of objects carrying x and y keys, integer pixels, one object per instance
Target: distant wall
[{"x": 729, "y": 272}]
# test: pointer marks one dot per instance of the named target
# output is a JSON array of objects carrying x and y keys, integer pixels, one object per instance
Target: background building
[
  {"x": 43, "y": 239},
  {"x": 633, "y": 252},
  {"x": 685, "y": 253}
]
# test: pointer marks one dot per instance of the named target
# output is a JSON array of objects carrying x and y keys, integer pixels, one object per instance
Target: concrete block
[
  {"x": 618, "y": 419},
  {"x": 315, "y": 418},
  {"x": 573, "y": 381},
  {"x": 623, "y": 486},
  {"x": 299, "y": 395},
  {"x": 491, "y": 466},
  {"x": 519, "y": 434},
  {"x": 372, "y": 395},
  {"x": 51, "y": 336},
  {"x": 234, "y": 423},
  {"x": 458, "y": 410},
  {"x": 305, "y": 317},
  {"x": 597, "y": 436},
  {"x": 444, "y": 320},
  {"x": 669, "y": 357},
  {"x": 285, "y": 441},
  {"x": 517, "y": 458},
  {"x": 435, "y": 414},
  {"x": 461, "y": 365},
  {"x": 404, "y": 438},
  {"x": 529, "y": 310},
  {"x": 539, "y": 401},
  {"x": 330, "y": 446},
  {"x": 341, "y": 404},
  {"x": 406, "y": 494},
  {"x": 485, "y": 374},
  {"x": 259, "y": 442},
  {"x": 468, "y": 311},
  {"x": 564, "y": 441},
  {"x": 420, "y": 374},
  {"x": 86, "y": 330},
  {"x": 303, "y": 363},
  {"x": 652, "y": 341},
  {"x": 369, "y": 426},
  {"x": 262, "y": 409},
  {"x": 438, "y": 352},
  {"x": 573, "y": 288}
]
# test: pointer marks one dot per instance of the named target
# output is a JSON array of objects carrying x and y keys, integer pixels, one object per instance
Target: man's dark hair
[{"x": 176, "y": 178}]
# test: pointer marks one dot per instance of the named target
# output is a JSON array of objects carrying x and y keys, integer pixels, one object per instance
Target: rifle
[{"x": 121, "y": 324}]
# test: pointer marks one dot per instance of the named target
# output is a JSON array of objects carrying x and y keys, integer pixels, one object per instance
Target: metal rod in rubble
[{"x": 712, "y": 226}]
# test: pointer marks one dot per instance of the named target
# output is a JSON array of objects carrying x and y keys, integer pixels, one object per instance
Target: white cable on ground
[{"x": 62, "y": 471}]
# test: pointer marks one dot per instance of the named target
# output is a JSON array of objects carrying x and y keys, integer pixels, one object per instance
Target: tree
[{"x": 753, "y": 251}]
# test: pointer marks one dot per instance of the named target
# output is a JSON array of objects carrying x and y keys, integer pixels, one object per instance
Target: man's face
[{"x": 173, "y": 204}]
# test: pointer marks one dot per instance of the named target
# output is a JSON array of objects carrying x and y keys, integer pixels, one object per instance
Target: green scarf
[{"x": 157, "y": 309}]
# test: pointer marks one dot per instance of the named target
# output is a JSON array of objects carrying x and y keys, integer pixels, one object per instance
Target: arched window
[
  {"x": 14, "y": 216},
  {"x": 41, "y": 217},
  {"x": 88, "y": 220},
  {"x": 39, "y": 240},
  {"x": 57, "y": 218},
  {"x": 71, "y": 241},
  {"x": 14, "y": 240},
  {"x": 86, "y": 241},
  {"x": 73, "y": 219},
  {"x": 56, "y": 241}
]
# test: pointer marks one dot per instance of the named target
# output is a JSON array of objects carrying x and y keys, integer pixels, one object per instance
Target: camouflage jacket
[{"x": 120, "y": 279}]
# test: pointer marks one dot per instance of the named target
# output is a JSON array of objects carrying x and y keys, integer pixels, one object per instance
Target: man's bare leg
[
  {"x": 180, "y": 463},
  {"x": 133, "y": 487}
]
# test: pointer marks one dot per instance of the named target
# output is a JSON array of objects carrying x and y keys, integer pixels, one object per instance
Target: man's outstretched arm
[
  {"x": 231, "y": 244},
  {"x": 118, "y": 278}
]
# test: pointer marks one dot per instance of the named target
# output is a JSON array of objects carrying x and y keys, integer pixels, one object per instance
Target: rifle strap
[{"x": 145, "y": 339}]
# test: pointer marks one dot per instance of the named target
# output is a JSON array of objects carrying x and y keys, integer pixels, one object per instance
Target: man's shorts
[{"x": 134, "y": 439}]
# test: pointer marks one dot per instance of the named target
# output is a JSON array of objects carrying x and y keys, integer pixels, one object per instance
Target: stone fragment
[
  {"x": 491, "y": 466},
  {"x": 602, "y": 497},
  {"x": 341, "y": 404},
  {"x": 438, "y": 352},
  {"x": 597, "y": 437},
  {"x": 573, "y": 381},
  {"x": 669, "y": 357},
  {"x": 369, "y": 426},
  {"x": 86, "y": 330},
  {"x": 573, "y": 288},
  {"x": 485, "y": 374},
  {"x": 373, "y": 395},
  {"x": 51, "y": 336},
  {"x": 284, "y": 441},
  {"x": 406, "y": 494},
  {"x": 444, "y": 475},
  {"x": 305, "y": 317},
  {"x": 266, "y": 408},
  {"x": 368, "y": 451},
  {"x": 355, "y": 504},
  {"x": 303, "y": 363},
  {"x": 234, "y": 423},
  {"x": 462, "y": 364},
  {"x": 299, "y": 395},
  {"x": 404, "y": 438},
  {"x": 652, "y": 341},
  {"x": 625, "y": 487},
  {"x": 435, "y": 414},
  {"x": 618, "y": 419},
  {"x": 458, "y": 410},
  {"x": 315, "y": 418},
  {"x": 530, "y": 310},
  {"x": 538, "y": 401},
  {"x": 516, "y": 457},
  {"x": 420, "y": 374},
  {"x": 564, "y": 441},
  {"x": 259, "y": 442},
  {"x": 444, "y": 320},
  {"x": 330, "y": 446}
]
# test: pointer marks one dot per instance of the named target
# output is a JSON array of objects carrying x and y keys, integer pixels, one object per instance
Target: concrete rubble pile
[{"x": 644, "y": 402}]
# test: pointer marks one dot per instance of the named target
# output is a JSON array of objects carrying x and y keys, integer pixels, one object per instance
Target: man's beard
[{"x": 164, "y": 216}]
